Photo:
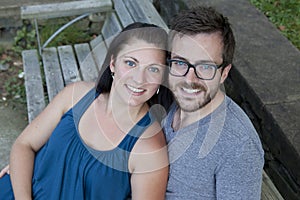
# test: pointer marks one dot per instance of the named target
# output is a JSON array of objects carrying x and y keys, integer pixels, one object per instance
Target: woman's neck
[{"x": 121, "y": 112}]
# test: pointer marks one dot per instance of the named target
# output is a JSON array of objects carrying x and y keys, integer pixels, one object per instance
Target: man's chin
[{"x": 192, "y": 106}]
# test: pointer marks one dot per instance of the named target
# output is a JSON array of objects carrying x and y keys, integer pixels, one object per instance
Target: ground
[{"x": 13, "y": 117}]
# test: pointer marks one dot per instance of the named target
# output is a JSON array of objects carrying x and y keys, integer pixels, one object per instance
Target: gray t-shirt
[{"x": 218, "y": 157}]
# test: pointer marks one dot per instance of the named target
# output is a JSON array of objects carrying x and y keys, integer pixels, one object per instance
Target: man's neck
[{"x": 183, "y": 118}]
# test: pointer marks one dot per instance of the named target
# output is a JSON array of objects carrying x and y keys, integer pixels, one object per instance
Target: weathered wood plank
[
  {"x": 68, "y": 64},
  {"x": 53, "y": 74},
  {"x": 110, "y": 28},
  {"x": 99, "y": 50},
  {"x": 86, "y": 62},
  {"x": 63, "y": 9},
  {"x": 33, "y": 83},
  {"x": 121, "y": 10},
  {"x": 269, "y": 191},
  {"x": 145, "y": 12},
  {"x": 113, "y": 25}
]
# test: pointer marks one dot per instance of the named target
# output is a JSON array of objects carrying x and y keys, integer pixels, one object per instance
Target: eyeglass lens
[{"x": 203, "y": 71}]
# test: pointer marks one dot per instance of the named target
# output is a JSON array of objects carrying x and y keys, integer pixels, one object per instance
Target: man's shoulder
[
  {"x": 236, "y": 118},
  {"x": 237, "y": 124}
]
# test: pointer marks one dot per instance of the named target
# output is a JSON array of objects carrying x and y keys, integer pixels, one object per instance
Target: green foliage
[
  {"x": 24, "y": 39},
  {"x": 71, "y": 35},
  {"x": 6, "y": 60},
  {"x": 26, "y": 35},
  {"x": 14, "y": 86},
  {"x": 285, "y": 14}
]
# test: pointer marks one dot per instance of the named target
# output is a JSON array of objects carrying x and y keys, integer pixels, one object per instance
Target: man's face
[{"x": 192, "y": 93}]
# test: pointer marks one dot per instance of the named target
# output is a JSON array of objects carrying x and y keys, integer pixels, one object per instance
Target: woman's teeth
[{"x": 135, "y": 89}]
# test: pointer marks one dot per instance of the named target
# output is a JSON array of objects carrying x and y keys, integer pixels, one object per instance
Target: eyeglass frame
[{"x": 169, "y": 61}]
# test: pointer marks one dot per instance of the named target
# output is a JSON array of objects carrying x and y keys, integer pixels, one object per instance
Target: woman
[{"x": 99, "y": 142}]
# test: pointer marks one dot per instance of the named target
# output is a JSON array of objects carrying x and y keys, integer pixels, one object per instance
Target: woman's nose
[{"x": 138, "y": 75}]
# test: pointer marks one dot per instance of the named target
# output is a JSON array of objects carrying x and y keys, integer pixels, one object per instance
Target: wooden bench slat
[
  {"x": 86, "y": 62},
  {"x": 124, "y": 16},
  {"x": 63, "y": 9},
  {"x": 99, "y": 50},
  {"x": 112, "y": 25},
  {"x": 145, "y": 12},
  {"x": 33, "y": 83},
  {"x": 110, "y": 28},
  {"x": 269, "y": 191},
  {"x": 53, "y": 74},
  {"x": 68, "y": 64}
]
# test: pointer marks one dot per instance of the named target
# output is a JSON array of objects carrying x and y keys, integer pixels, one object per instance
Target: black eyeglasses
[{"x": 204, "y": 71}]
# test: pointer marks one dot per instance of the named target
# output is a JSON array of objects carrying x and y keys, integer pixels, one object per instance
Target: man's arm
[{"x": 240, "y": 175}]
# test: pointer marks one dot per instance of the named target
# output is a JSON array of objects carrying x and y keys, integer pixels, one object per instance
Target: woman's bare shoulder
[
  {"x": 152, "y": 139},
  {"x": 77, "y": 90},
  {"x": 150, "y": 152}
]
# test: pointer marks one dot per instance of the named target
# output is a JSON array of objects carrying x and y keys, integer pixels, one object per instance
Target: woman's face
[{"x": 138, "y": 71}]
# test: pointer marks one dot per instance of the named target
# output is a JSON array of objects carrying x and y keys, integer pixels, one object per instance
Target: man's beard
[{"x": 194, "y": 104}]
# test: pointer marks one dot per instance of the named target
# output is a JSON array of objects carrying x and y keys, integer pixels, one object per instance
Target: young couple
[{"x": 105, "y": 142}]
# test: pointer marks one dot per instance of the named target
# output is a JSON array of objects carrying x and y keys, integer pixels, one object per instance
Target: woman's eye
[
  {"x": 153, "y": 69},
  {"x": 130, "y": 63}
]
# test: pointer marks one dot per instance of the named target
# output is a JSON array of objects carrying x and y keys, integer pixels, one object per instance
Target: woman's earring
[
  {"x": 157, "y": 91},
  {"x": 113, "y": 75}
]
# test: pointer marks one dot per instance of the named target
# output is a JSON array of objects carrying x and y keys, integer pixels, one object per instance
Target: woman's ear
[
  {"x": 112, "y": 64},
  {"x": 225, "y": 73}
]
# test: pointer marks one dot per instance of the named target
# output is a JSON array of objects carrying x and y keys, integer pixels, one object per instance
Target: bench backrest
[{"x": 66, "y": 64}]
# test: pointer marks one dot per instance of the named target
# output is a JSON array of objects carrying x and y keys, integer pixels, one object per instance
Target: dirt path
[
  {"x": 13, "y": 115},
  {"x": 12, "y": 121}
]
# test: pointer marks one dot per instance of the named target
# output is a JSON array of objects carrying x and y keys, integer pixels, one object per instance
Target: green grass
[
  {"x": 71, "y": 35},
  {"x": 285, "y": 14}
]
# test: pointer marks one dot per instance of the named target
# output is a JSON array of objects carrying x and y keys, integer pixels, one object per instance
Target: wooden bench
[{"x": 66, "y": 64}]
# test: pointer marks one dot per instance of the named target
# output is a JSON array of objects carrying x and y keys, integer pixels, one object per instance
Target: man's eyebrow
[
  {"x": 198, "y": 62},
  {"x": 179, "y": 58}
]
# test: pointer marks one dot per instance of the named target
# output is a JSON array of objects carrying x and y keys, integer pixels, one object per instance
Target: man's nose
[{"x": 191, "y": 75}]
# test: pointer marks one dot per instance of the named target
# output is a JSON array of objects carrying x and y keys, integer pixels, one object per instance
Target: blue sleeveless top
[{"x": 66, "y": 168}]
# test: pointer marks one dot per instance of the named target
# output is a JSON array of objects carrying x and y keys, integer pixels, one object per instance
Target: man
[{"x": 214, "y": 150}]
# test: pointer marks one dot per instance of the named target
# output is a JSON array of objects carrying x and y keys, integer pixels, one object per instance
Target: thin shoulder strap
[
  {"x": 83, "y": 104},
  {"x": 135, "y": 133}
]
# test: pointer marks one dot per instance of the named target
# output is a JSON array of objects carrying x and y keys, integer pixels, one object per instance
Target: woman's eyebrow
[
  {"x": 137, "y": 61},
  {"x": 133, "y": 58}
]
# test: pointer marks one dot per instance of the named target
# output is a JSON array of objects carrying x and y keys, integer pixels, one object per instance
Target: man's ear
[
  {"x": 225, "y": 73},
  {"x": 112, "y": 64}
]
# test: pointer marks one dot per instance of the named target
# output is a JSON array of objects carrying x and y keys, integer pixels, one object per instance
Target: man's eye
[
  {"x": 130, "y": 63},
  {"x": 206, "y": 67},
  {"x": 179, "y": 63}
]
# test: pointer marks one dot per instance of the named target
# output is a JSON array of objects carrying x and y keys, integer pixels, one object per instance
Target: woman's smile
[{"x": 135, "y": 90}]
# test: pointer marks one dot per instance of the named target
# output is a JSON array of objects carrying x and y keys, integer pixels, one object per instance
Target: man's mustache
[{"x": 194, "y": 86}]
